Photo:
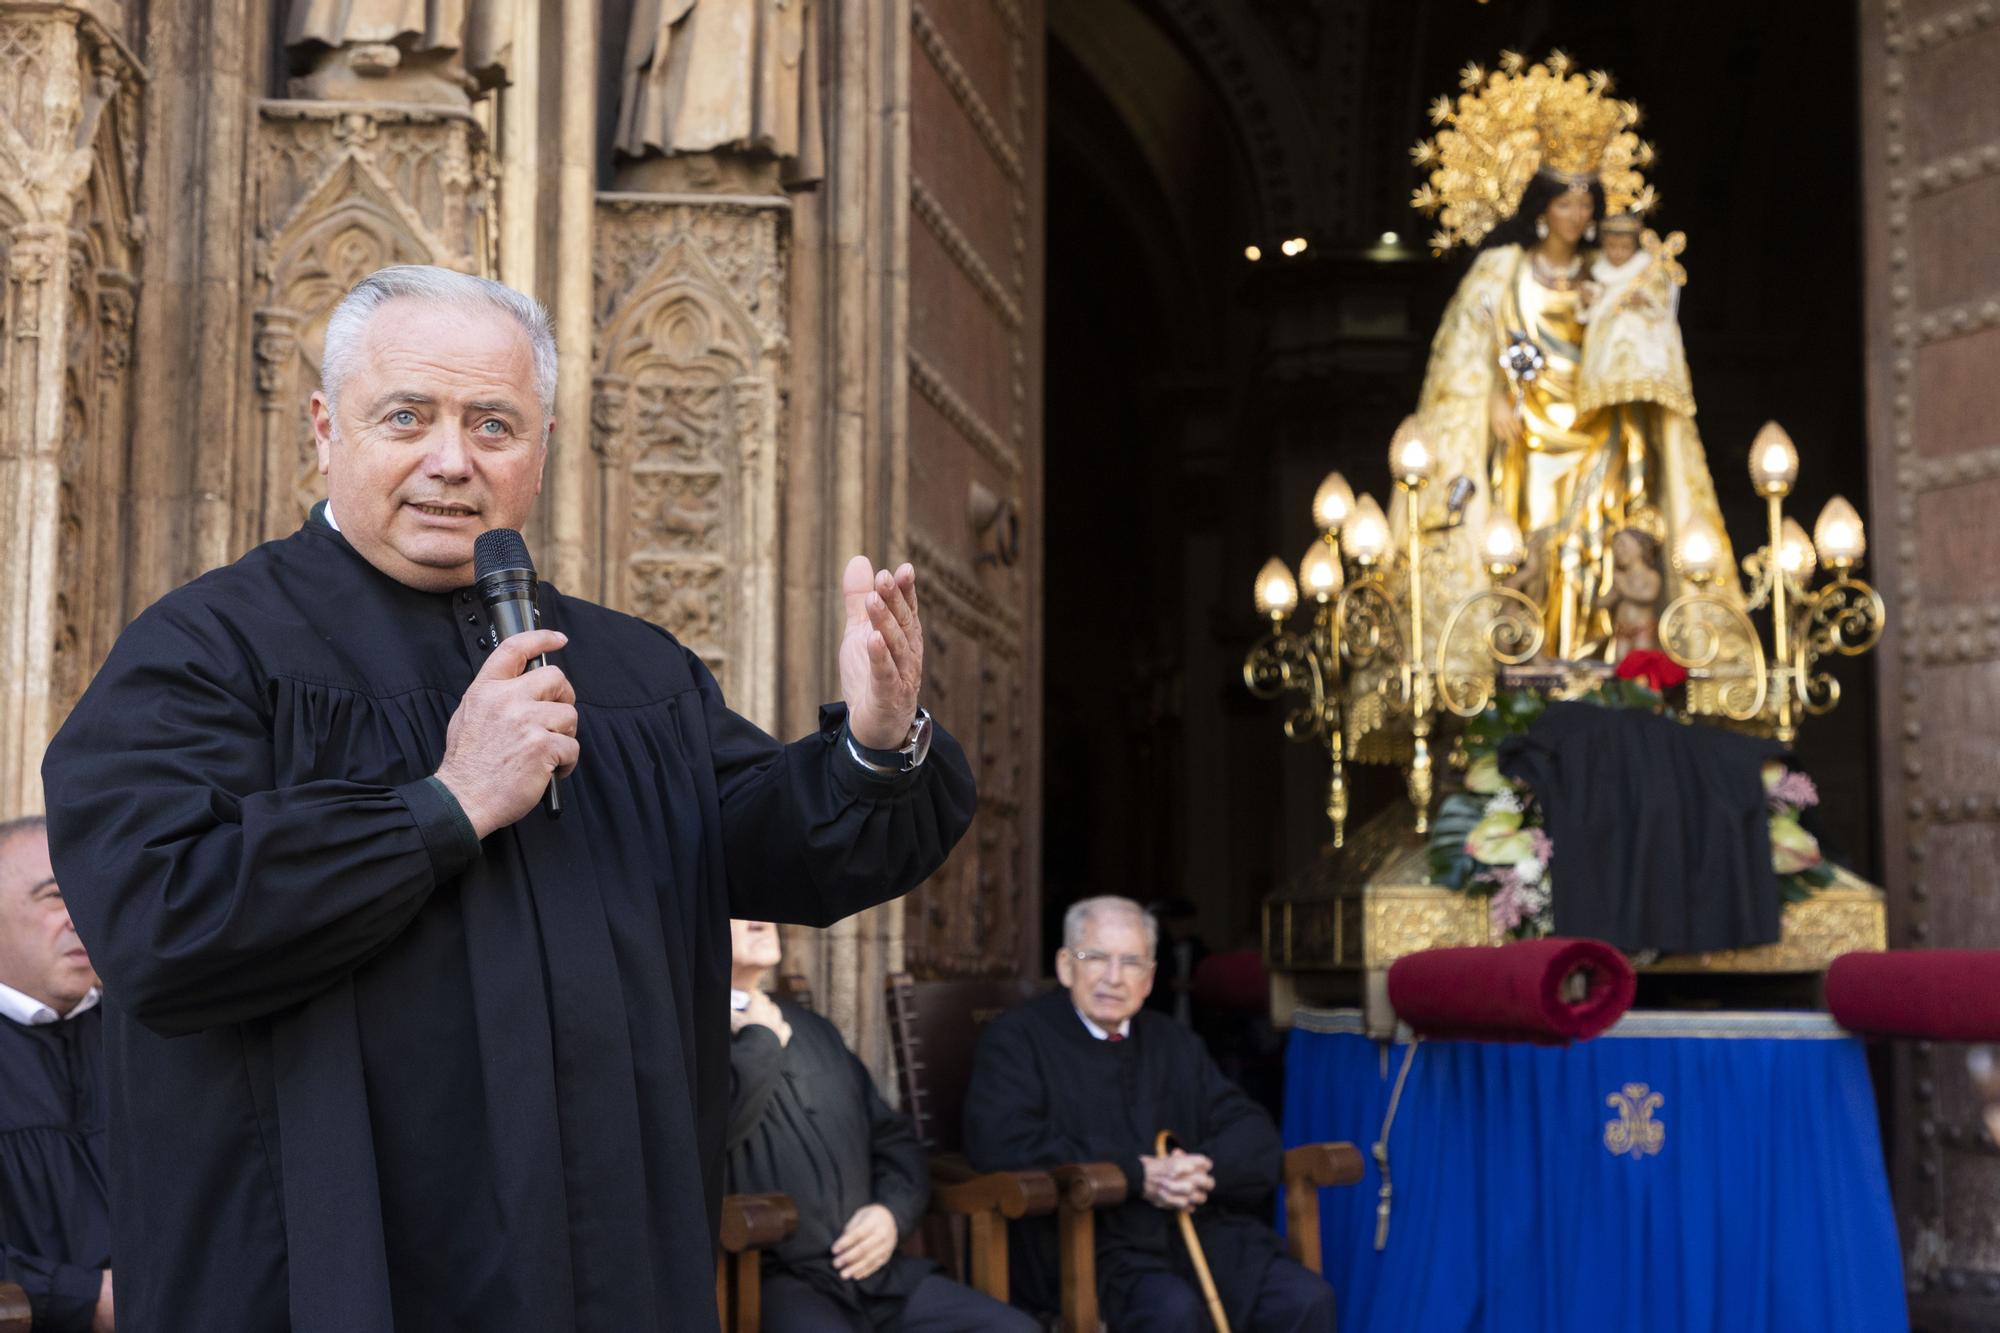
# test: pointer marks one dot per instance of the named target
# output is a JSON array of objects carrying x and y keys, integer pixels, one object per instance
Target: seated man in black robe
[
  {"x": 1087, "y": 1074},
  {"x": 391, "y": 1046},
  {"x": 805, "y": 1120},
  {"x": 55, "y": 1220}
]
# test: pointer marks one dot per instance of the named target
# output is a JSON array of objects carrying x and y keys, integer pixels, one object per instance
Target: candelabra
[
  {"x": 1709, "y": 633},
  {"x": 1354, "y": 624},
  {"x": 1309, "y": 663},
  {"x": 1363, "y": 660}
]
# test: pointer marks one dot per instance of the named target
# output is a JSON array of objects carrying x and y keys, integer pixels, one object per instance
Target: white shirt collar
[
  {"x": 1124, "y": 1027},
  {"x": 331, "y": 521},
  {"x": 30, "y": 1012}
]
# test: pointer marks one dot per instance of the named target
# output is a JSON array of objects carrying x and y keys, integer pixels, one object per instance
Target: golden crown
[{"x": 1519, "y": 120}]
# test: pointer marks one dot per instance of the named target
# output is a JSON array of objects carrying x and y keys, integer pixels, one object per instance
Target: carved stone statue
[
  {"x": 719, "y": 95},
  {"x": 433, "y": 52}
]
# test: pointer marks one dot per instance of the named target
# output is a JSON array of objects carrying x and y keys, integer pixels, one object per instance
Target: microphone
[{"x": 505, "y": 579}]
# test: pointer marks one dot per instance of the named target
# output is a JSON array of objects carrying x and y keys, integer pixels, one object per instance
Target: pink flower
[
  {"x": 1506, "y": 908},
  {"x": 1545, "y": 847},
  {"x": 1794, "y": 789}
]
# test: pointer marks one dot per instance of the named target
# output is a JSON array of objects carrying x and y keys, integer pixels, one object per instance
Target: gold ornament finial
[{"x": 1519, "y": 120}]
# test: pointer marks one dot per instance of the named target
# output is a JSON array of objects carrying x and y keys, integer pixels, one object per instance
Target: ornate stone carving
[
  {"x": 441, "y": 52},
  {"x": 686, "y": 421},
  {"x": 68, "y": 169},
  {"x": 343, "y": 189}
]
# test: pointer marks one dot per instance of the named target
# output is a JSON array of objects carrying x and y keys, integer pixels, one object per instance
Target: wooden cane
[{"x": 1162, "y": 1146}]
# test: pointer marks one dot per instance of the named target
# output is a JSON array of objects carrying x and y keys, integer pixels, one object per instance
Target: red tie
[{"x": 1114, "y": 1036}]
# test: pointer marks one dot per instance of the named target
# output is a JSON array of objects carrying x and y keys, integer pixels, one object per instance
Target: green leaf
[{"x": 1445, "y": 849}]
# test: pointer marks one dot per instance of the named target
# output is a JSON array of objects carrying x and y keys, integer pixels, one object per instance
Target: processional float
[{"x": 1552, "y": 526}]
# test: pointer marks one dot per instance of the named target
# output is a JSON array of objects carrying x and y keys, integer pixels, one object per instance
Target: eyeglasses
[{"x": 1096, "y": 960}]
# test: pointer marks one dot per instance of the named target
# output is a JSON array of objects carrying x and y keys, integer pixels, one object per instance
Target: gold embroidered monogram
[{"x": 1635, "y": 1132}]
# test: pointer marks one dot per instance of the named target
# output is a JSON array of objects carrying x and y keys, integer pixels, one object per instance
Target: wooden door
[
  {"x": 1931, "y": 139},
  {"x": 966, "y": 475}
]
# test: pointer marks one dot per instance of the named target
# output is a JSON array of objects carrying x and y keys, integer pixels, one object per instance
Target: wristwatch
[{"x": 916, "y": 747}]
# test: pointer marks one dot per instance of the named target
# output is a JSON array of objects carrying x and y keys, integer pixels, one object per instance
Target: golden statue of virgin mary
[{"x": 1573, "y": 425}]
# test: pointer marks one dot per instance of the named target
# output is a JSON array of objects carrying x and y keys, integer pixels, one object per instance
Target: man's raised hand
[
  {"x": 881, "y": 653},
  {"x": 513, "y": 731}
]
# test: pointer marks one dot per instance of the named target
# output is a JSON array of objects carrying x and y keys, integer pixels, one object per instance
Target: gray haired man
[{"x": 389, "y": 1045}]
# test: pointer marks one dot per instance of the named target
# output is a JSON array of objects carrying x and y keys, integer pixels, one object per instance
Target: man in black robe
[
  {"x": 1086, "y": 1074},
  {"x": 388, "y": 1045},
  {"x": 805, "y": 1121},
  {"x": 55, "y": 1218}
]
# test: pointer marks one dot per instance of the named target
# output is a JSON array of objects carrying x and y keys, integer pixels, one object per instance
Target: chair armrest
[
  {"x": 1309, "y": 1168},
  {"x": 15, "y": 1314},
  {"x": 757, "y": 1221},
  {"x": 1090, "y": 1185},
  {"x": 1317, "y": 1165},
  {"x": 959, "y": 1190}
]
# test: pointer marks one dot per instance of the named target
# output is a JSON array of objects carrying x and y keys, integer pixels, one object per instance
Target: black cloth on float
[
  {"x": 55, "y": 1205},
  {"x": 366, "y": 1072},
  {"x": 1045, "y": 1092},
  {"x": 1661, "y": 829},
  {"x": 805, "y": 1120}
]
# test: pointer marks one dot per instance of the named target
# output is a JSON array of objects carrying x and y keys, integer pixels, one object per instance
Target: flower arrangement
[{"x": 1489, "y": 838}]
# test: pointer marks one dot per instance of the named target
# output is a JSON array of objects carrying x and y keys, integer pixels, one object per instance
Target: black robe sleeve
[
  {"x": 1238, "y": 1136},
  {"x": 1008, "y": 1124},
  {"x": 756, "y": 1063},
  {"x": 902, "y": 1174},
  {"x": 810, "y": 835},
  {"x": 62, "y": 1298},
  {"x": 205, "y": 895}
]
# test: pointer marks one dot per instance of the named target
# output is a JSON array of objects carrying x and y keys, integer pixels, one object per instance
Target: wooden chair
[
  {"x": 15, "y": 1316},
  {"x": 750, "y": 1223},
  {"x": 935, "y": 1026}
]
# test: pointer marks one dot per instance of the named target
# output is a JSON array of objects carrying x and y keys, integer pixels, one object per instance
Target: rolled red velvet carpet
[
  {"x": 1929, "y": 994},
  {"x": 1547, "y": 991}
]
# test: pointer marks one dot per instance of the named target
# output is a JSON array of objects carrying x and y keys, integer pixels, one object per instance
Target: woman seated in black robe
[
  {"x": 805, "y": 1120},
  {"x": 55, "y": 1219}
]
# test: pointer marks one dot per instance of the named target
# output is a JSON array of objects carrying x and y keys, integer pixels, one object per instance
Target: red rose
[{"x": 1652, "y": 668}]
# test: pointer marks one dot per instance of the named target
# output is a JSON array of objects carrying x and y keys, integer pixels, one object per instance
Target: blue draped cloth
[{"x": 1682, "y": 1172}]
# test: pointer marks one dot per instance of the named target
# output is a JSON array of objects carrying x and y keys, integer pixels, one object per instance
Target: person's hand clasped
[
  {"x": 513, "y": 731},
  {"x": 1179, "y": 1181},
  {"x": 763, "y": 1012},
  {"x": 866, "y": 1244},
  {"x": 881, "y": 653}
]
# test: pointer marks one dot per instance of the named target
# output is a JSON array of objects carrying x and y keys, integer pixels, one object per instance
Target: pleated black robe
[
  {"x": 1662, "y": 831},
  {"x": 1045, "y": 1092},
  {"x": 367, "y": 1073},
  {"x": 55, "y": 1206},
  {"x": 805, "y": 1120}
]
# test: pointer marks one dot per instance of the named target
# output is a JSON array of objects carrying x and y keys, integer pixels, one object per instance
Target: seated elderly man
[
  {"x": 55, "y": 1219},
  {"x": 805, "y": 1120},
  {"x": 1087, "y": 1073}
]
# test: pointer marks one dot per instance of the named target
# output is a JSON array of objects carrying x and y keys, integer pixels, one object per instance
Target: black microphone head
[{"x": 497, "y": 550}]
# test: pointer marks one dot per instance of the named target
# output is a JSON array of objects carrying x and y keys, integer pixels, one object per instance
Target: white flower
[
  {"x": 1506, "y": 800},
  {"x": 1529, "y": 871}
]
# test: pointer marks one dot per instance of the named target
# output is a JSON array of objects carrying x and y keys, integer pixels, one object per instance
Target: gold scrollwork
[
  {"x": 1845, "y": 617},
  {"x": 1635, "y": 1133},
  {"x": 1715, "y": 641},
  {"x": 1285, "y": 661},
  {"x": 1368, "y": 622},
  {"x": 1510, "y": 635}
]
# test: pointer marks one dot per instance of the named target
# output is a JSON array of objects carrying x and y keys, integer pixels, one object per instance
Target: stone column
[{"x": 59, "y": 70}]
